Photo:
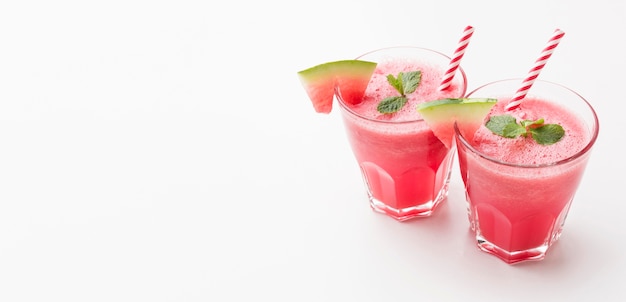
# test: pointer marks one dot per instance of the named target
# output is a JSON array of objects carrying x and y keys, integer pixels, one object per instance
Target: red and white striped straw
[
  {"x": 534, "y": 72},
  {"x": 456, "y": 58}
]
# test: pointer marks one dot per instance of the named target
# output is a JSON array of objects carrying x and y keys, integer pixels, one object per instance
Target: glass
[
  {"x": 405, "y": 168},
  {"x": 517, "y": 211}
]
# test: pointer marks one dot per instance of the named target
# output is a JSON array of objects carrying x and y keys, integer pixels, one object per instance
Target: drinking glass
[
  {"x": 517, "y": 211},
  {"x": 405, "y": 168}
]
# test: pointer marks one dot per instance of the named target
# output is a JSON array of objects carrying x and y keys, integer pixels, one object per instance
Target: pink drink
[
  {"x": 406, "y": 169},
  {"x": 518, "y": 191}
]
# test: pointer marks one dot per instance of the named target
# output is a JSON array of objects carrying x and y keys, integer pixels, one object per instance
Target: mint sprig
[
  {"x": 405, "y": 83},
  {"x": 507, "y": 126}
]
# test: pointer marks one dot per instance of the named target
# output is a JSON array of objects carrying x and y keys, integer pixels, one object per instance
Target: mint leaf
[
  {"x": 513, "y": 130},
  {"x": 396, "y": 82},
  {"x": 547, "y": 134},
  {"x": 410, "y": 81},
  {"x": 507, "y": 126},
  {"x": 405, "y": 83},
  {"x": 497, "y": 123},
  {"x": 391, "y": 104}
]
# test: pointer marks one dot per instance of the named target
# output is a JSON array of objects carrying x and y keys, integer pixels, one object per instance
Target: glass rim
[
  {"x": 573, "y": 157},
  {"x": 347, "y": 109}
]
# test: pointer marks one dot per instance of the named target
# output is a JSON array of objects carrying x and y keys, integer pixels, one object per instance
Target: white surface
[{"x": 165, "y": 151}]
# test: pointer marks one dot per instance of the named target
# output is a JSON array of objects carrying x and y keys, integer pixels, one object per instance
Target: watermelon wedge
[
  {"x": 468, "y": 113},
  {"x": 349, "y": 76}
]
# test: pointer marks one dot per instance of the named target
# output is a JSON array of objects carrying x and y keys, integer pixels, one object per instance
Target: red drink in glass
[{"x": 406, "y": 169}]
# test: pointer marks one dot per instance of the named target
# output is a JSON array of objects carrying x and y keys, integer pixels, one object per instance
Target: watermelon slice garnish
[
  {"x": 351, "y": 77},
  {"x": 468, "y": 113}
]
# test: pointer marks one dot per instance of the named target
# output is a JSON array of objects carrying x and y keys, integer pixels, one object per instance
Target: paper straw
[
  {"x": 456, "y": 58},
  {"x": 534, "y": 72}
]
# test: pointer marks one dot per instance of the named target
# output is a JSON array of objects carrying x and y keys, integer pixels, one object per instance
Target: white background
[{"x": 166, "y": 151}]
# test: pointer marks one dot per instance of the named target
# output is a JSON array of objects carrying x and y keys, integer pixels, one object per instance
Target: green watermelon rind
[
  {"x": 453, "y": 101},
  {"x": 335, "y": 68}
]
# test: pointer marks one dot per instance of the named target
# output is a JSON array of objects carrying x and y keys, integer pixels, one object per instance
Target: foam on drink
[
  {"x": 523, "y": 150},
  {"x": 379, "y": 89}
]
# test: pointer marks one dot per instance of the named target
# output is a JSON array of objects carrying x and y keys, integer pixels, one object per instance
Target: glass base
[
  {"x": 512, "y": 257},
  {"x": 515, "y": 241},
  {"x": 423, "y": 210}
]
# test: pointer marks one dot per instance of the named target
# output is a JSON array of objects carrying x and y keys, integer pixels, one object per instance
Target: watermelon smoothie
[
  {"x": 518, "y": 191},
  {"x": 405, "y": 168}
]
